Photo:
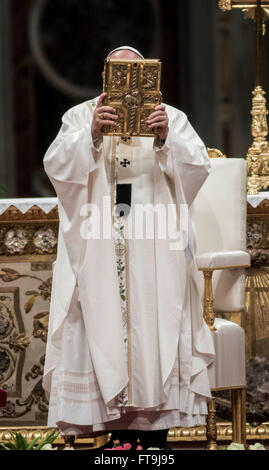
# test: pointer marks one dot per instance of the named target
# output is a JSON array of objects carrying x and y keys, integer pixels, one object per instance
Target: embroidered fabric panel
[{"x": 121, "y": 251}]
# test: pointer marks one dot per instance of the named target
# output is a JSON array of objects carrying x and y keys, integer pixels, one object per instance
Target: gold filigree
[
  {"x": 225, "y": 5},
  {"x": 133, "y": 89},
  {"x": 258, "y": 153}
]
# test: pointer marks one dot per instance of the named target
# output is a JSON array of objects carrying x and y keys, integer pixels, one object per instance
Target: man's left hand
[{"x": 159, "y": 119}]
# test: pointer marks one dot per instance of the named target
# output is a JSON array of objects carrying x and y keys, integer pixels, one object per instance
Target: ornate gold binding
[{"x": 133, "y": 89}]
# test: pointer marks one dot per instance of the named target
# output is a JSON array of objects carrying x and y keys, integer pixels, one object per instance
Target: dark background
[{"x": 51, "y": 56}]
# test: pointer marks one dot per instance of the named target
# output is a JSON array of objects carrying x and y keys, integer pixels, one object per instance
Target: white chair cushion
[
  {"x": 223, "y": 259},
  {"x": 229, "y": 368}
]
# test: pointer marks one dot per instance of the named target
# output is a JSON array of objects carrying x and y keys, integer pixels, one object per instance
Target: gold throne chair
[{"x": 220, "y": 224}]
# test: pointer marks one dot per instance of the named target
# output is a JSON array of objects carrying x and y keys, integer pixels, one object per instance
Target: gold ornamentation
[
  {"x": 249, "y": 13},
  {"x": 225, "y": 5},
  {"x": 41, "y": 325},
  {"x": 11, "y": 340},
  {"x": 211, "y": 428},
  {"x": 197, "y": 433},
  {"x": 18, "y": 240},
  {"x": 34, "y": 214},
  {"x": 258, "y": 153},
  {"x": 28, "y": 235},
  {"x": 238, "y": 396},
  {"x": 209, "y": 315},
  {"x": 215, "y": 153},
  {"x": 45, "y": 240},
  {"x": 18, "y": 341},
  {"x": 15, "y": 240},
  {"x": 257, "y": 307},
  {"x": 133, "y": 89}
]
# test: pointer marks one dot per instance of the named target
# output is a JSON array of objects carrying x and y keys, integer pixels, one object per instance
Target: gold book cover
[{"x": 133, "y": 89}]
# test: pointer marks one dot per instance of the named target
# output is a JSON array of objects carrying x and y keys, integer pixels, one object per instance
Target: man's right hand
[{"x": 103, "y": 115}]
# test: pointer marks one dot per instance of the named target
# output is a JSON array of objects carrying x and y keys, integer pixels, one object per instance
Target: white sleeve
[
  {"x": 72, "y": 155},
  {"x": 184, "y": 155}
]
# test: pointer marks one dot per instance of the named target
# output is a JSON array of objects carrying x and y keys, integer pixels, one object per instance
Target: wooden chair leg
[
  {"x": 239, "y": 415},
  {"x": 211, "y": 425}
]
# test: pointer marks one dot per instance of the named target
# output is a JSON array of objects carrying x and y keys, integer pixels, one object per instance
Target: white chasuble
[{"x": 127, "y": 344}]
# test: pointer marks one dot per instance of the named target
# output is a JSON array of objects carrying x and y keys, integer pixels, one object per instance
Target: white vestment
[{"x": 127, "y": 344}]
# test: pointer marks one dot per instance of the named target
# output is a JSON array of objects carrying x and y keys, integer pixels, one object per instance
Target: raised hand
[
  {"x": 159, "y": 119},
  {"x": 103, "y": 115}
]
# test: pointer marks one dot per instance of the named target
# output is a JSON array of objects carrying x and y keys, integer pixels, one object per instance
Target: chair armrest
[{"x": 223, "y": 260}]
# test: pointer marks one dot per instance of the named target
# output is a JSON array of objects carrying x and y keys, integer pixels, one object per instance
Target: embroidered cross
[{"x": 125, "y": 162}]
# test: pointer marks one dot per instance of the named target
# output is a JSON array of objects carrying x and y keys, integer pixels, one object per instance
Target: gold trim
[
  {"x": 224, "y": 433},
  {"x": 34, "y": 214},
  {"x": 234, "y": 387},
  {"x": 37, "y": 258},
  {"x": 197, "y": 433},
  {"x": 215, "y": 153}
]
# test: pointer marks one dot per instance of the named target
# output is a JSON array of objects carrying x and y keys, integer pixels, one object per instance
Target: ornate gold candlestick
[{"x": 258, "y": 153}]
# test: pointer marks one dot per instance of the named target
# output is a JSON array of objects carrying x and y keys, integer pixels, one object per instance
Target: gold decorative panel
[
  {"x": 28, "y": 245},
  {"x": 25, "y": 290},
  {"x": 133, "y": 89}
]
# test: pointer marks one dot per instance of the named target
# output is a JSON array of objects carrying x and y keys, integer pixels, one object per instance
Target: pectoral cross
[
  {"x": 258, "y": 153},
  {"x": 125, "y": 162}
]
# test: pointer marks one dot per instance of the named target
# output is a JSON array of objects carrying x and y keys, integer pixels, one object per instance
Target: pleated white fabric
[{"x": 170, "y": 344}]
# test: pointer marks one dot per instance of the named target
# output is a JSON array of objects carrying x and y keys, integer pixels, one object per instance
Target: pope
[{"x": 128, "y": 348}]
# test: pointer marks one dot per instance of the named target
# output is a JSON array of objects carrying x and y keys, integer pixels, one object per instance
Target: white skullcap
[{"x": 129, "y": 48}]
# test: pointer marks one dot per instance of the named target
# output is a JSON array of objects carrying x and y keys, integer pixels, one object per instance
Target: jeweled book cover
[{"x": 133, "y": 89}]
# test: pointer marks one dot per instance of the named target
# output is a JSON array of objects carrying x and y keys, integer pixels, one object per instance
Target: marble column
[{"x": 7, "y": 170}]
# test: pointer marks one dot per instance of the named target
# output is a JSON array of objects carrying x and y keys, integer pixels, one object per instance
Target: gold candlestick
[{"x": 258, "y": 154}]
